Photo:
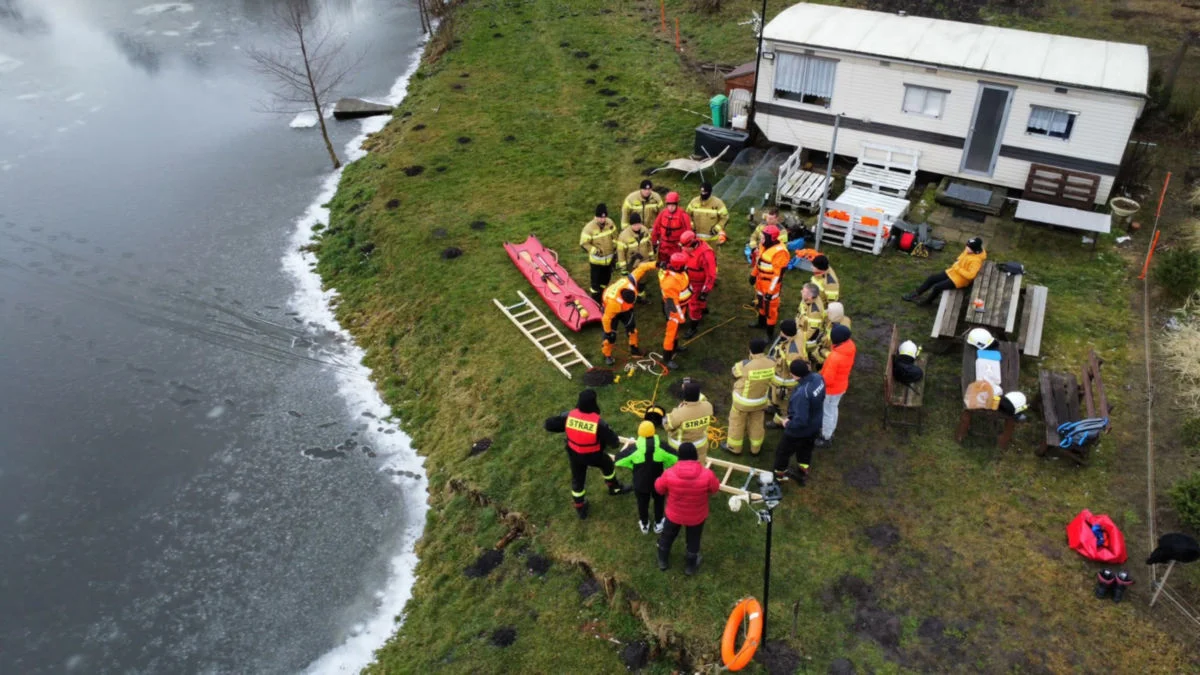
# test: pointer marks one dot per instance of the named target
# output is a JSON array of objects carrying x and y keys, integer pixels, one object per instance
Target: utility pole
[
  {"x": 762, "y": 28},
  {"x": 837, "y": 119}
]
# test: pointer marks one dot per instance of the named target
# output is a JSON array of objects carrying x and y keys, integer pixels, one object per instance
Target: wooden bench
[
  {"x": 899, "y": 395},
  {"x": 885, "y": 169},
  {"x": 1000, "y": 294},
  {"x": 950, "y": 307},
  {"x": 1061, "y": 398},
  {"x": 1033, "y": 316}
]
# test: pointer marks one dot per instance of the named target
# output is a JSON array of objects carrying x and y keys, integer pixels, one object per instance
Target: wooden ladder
[
  {"x": 530, "y": 320},
  {"x": 734, "y": 470}
]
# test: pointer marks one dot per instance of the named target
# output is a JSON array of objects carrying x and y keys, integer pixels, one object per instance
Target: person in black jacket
[
  {"x": 806, "y": 408},
  {"x": 648, "y": 458},
  {"x": 587, "y": 436}
]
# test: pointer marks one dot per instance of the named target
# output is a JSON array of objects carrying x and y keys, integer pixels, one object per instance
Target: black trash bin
[{"x": 710, "y": 141}]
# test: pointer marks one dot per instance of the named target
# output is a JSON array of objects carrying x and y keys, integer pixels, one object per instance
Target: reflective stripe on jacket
[
  {"x": 648, "y": 209},
  {"x": 754, "y": 377},
  {"x": 599, "y": 240},
  {"x": 709, "y": 217},
  {"x": 828, "y": 283},
  {"x": 688, "y": 423}
]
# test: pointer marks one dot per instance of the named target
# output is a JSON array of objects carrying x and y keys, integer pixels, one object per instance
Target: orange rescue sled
[{"x": 573, "y": 306}]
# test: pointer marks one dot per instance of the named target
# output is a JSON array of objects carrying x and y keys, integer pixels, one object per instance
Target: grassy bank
[{"x": 905, "y": 552}]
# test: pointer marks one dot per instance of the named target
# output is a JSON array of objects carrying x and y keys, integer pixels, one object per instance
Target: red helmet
[
  {"x": 687, "y": 238},
  {"x": 672, "y": 197},
  {"x": 677, "y": 262},
  {"x": 771, "y": 231}
]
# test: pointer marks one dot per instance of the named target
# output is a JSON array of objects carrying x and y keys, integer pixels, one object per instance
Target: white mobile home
[{"x": 977, "y": 102}]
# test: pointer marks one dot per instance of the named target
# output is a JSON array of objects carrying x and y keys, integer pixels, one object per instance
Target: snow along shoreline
[{"x": 400, "y": 459}]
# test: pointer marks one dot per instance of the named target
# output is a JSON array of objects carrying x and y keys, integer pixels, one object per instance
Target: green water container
[{"x": 720, "y": 107}]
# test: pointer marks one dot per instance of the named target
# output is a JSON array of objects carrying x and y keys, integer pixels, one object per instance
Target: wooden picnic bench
[
  {"x": 1061, "y": 397},
  {"x": 900, "y": 395},
  {"x": 1010, "y": 368},
  {"x": 1033, "y": 317},
  {"x": 885, "y": 169},
  {"x": 950, "y": 307},
  {"x": 1000, "y": 293}
]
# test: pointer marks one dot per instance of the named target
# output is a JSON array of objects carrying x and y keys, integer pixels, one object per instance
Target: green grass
[{"x": 980, "y": 577}]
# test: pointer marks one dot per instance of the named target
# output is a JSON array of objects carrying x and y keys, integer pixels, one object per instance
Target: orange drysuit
[
  {"x": 676, "y": 292},
  {"x": 616, "y": 309},
  {"x": 769, "y": 265}
]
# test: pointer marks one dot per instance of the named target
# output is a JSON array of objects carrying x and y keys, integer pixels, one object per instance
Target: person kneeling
[{"x": 687, "y": 486}]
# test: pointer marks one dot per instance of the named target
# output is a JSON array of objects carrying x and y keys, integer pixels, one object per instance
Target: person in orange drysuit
[
  {"x": 702, "y": 276},
  {"x": 668, "y": 226},
  {"x": 619, "y": 299},
  {"x": 770, "y": 261},
  {"x": 676, "y": 292}
]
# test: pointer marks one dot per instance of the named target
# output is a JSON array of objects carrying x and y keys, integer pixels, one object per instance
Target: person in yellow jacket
[
  {"x": 633, "y": 245},
  {"x": 813, "y": 324},
  {"x": 709, "y": 216},
  {"x": 825, "y": 279},
  {"x": 751, "y": 395},
  {"x": 789, "y": 348},
  {"x": 617, "y": 304},
  {"x": 643, "y": 201},
  {"x": 599, "y": 241},
  {"x": 960, "y": 275},
  {"x": 689, "y": 421},
  {"x": 770, "y": 217}
]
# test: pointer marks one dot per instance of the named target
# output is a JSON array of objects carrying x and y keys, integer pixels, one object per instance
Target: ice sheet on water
[
  {"x": 305, "y": 120},
  {"x": 159, "y": 8},
  {"x": 9, "y": 64},
  {"x": 354, "y": 384},
  {"x": 74, "y": 97}
]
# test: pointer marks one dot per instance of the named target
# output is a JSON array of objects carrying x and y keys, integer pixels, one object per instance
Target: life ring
[{"x": 748, "y": 608}]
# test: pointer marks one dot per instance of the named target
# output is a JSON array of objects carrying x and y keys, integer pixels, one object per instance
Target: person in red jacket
[
  {"x": 687, "y": 486},
  {"x": 836, "y": 371},
  {"x": 668, "y": 226},
  {"x": 702, "y": 276}
]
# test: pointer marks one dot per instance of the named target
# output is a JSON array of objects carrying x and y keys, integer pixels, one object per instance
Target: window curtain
[
  {"x": 818, "y": 77},
  {"x": 789, "y": 73},
  {"x": 1049, "y": 120},
  {"x": 805, "y": 75}
]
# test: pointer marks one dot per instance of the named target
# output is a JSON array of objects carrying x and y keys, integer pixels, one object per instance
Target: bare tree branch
[{"x": 307, "y": 68}]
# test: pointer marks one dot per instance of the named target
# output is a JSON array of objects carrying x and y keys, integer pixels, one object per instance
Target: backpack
[
  {"x": 906, "y": 371},
  {"x": 1012, "y": 268}
]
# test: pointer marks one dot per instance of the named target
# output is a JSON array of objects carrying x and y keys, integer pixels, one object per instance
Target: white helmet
[
  {"x": 980, "y": 338},
  {"x": 1017, "y": 400},
  {"x": 910, "y": 349}
]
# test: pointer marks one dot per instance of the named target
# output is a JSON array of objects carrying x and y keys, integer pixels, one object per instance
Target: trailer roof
[{"x": 1094, "y": 64}]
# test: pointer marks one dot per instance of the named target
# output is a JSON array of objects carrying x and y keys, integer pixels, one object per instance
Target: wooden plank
[
  {"x": 1055, "y": 185},
  {"x": 1036, "y": 305},
  {"x": 943, "y": 304},
  {"x": 1014, "y": 298},
  {"x": 1049, "y": 414},
  {"x": 893, "y": 345},
  {"x": 1023, "y": 330}
]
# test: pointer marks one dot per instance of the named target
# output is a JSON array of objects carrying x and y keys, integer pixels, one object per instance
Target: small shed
[
  {"x": 978, "y": 102},
  {"x": 741, "y": 77}
]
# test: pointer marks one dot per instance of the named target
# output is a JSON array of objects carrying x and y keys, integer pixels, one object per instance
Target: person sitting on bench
[{"x": 960, "y": 275}]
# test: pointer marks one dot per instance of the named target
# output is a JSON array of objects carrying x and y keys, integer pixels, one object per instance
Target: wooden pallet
[
  {"x": 885, "y": 169},
  {"x": 797, "y": 187},
  {"x": 1054, "y": 185},
  {"x": 861, "y": 220},
  {"x": 554, "y": 346}
]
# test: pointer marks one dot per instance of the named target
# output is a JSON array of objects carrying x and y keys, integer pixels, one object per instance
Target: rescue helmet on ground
[
  {"x": 646, "y": 429},
  {"x": 820, "y": 263},
  {"x": 1014, "y": 403},
  {"x": 980, "y": 338},
  {"x": 910, "y": 349},
  {"x": 672, "y": 197},
  {"x": 678, "y": 261},
  {"x": 687, "y": 238}
]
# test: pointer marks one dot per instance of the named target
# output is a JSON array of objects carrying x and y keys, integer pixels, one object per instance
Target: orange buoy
[{"x": 746, "y": 609}]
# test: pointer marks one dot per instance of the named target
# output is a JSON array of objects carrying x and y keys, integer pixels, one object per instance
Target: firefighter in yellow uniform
[
  {"x": 789, "y": 348},
  {"x": 770, "y": 217},
  {"x": 689, "y": 421},
  {"x": 633, "y": 248},
  {"x": 643, "y": 201},
  {"x": 709, "y": 216},
  {"x": 751, "y": 394},
  {"x": 826, "y": 280},
  {"x": 813, "y": 324},
  {"x": 599, "y": 241},
  {"x": 618, "y": 309}
]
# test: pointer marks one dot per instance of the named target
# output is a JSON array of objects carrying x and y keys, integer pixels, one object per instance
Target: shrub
[
  {"x": 1178, "y": 272},
  {"x": 1190, "y": 433},
  {"x": 1186, "y": 498}
]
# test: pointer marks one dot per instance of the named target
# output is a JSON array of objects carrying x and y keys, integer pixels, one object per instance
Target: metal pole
[
  {"x": 762, "y": 28},
  {"x": 1153, "y": 600},
  {"x": 767, "y": 578},
  {"x": 828, "y": 181}
]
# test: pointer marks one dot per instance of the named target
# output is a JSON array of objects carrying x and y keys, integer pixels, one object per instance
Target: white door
[{"x": 987, "y": 129}]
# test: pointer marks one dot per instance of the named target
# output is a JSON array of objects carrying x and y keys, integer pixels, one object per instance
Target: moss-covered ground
[{"x": 905, "y": 552}]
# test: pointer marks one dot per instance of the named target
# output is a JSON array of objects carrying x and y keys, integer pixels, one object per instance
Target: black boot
[
  {"x": 663, "y": 561},
  {"x": 770, "y": 334},
  {"x": 691, "y": 331},
  {"x": 634, "y": 351},
  {"x": 1123, "y": 581},
  {"x": 761, "y": 323},
  {"x": 1105, "y": 580},
  {"x": 616, "y": 487},
  {"x": 669, "y": 359},
  {"x": 581, "y": 510},
  {"x": 693, "y": 564}
]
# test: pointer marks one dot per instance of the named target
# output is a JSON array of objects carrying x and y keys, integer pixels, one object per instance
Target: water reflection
[
  {"x": 19, "y": 20},
  {"x": 139, "y": 53}
]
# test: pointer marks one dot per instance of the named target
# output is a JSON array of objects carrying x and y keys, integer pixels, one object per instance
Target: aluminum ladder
[{"x": 530, "y": 320}]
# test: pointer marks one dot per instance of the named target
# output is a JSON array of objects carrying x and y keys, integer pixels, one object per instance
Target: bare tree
[{"x": 307, "y": 66}]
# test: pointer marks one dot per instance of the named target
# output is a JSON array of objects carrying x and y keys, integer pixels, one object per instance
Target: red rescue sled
[
  {"x": 573, "y": 306},
  {"x": 1082, "y": 538}
]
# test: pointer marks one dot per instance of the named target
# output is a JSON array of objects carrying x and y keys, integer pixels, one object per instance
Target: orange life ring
[{"x": 735, "y": 661}]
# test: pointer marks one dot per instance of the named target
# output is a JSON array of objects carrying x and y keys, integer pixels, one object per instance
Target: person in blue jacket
[{"x": 806, "y": 409}]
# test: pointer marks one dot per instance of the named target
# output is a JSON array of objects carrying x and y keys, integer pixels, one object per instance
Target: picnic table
[
  {"x": 1000, "y": 294},
  {"x": 1010, "y": 368}
]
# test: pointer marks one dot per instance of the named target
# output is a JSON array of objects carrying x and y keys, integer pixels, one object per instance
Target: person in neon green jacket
[{"x": 647, "y": 458}]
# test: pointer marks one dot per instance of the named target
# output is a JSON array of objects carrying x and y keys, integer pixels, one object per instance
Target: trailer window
[
  {"x": 924, "y": 101},
  {"x": 807, "y": 79},
  {"x": 1050, "y": 122}
]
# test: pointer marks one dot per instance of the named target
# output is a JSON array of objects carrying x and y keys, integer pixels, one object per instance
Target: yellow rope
[{"x": 638, "y": 408}]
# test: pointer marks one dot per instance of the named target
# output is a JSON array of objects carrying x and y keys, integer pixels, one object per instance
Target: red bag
[
  {"x": 1081, "y": 538},
  {"x": 907, "y": 241}
]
